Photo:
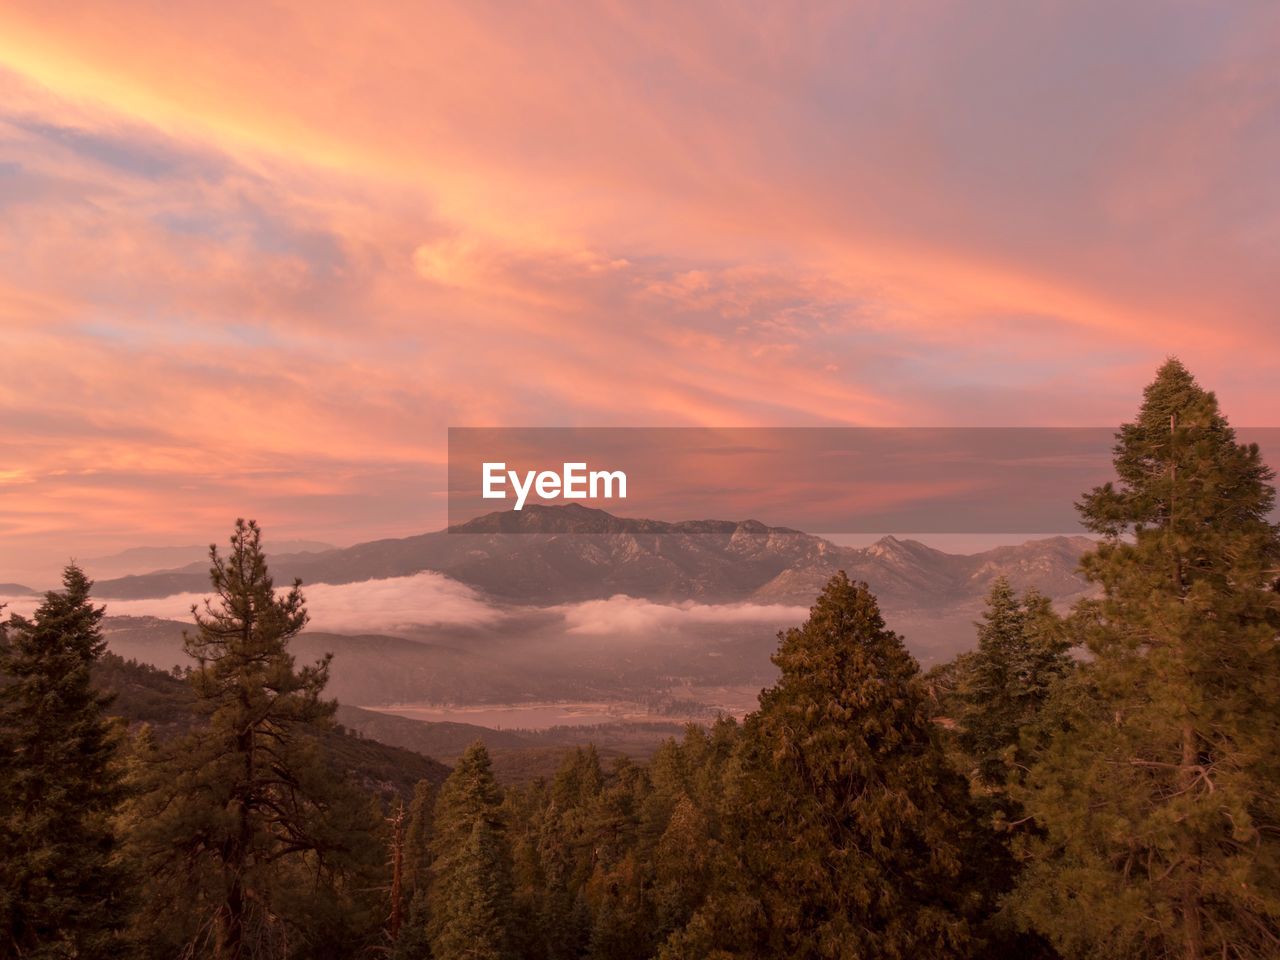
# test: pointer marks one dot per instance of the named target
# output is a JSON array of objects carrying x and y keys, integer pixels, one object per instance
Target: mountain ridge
[
  {"x": 184, "y": 558},
  {"x": 547, "y": 555}
]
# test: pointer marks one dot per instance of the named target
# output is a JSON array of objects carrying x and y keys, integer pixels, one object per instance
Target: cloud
[
  {"x": 407, "y": 604},
  {"x": 396, "y": 603},
  {"x": 621, "y": 614},
  {"x": 393, "y": 605},
  {"x": 239, "y": 284}
]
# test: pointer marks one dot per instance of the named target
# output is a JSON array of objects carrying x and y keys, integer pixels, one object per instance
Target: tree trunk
[
  {"x": 396, "y": 919},
  {"x": 232, "y": 945},
  {"x": 1189, "y": 896},
  {"x": 1192, "y": 931}
]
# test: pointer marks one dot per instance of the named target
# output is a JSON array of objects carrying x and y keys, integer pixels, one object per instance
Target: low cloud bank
[
  {"x": 407, "y": 604},
  {"x": 623, "y": 614},
  {"x": 373, "y": 606},
  {"x": 387, "y": 606},
  {"x": 22, "y": 606}
]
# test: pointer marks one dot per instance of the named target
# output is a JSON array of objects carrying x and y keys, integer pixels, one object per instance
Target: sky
[{"x": 256, "y": 258}]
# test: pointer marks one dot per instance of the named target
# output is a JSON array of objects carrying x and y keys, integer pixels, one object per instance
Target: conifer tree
[
  {"x": 566, "y": 853},
  {"x": 616, "y": 892},
  {"x": 682, "y": 860},
  {"x": 851, "y": 828},
  {"x": 1022, "y": 652},
  {"x": 412, "y": 942},
  {"x": 525, "y": 808},
  {"x": 61, "y": 893},
  {"x": 417, "y": 838},
  {"x": 242, "y": 810},
  {"x": 1156, "y": 786},
  {"x": 471, "y": 887}
]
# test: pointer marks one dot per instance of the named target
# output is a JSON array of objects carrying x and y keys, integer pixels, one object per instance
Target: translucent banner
[{"x": 916, "y": 480}]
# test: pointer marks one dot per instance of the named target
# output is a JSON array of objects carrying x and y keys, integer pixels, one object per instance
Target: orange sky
[{"x": 256, "y": 257}]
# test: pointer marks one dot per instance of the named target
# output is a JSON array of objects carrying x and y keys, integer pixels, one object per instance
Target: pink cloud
[
  {"x": 256, "y": 259},
  {"x": 629, "y": 615}
]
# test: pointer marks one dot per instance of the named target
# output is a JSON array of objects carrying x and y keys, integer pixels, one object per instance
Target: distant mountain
[
  {"x": 447, "y": 740},
  {"x": 908, "y": 574},
  {"x": 517, "y": 757},
  {"x": 137, "y": 560},
  {"x": 547, "y": 555},
  {"x": 16, "y": 590}
]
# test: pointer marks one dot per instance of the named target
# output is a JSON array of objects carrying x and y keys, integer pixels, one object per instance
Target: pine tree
[
  {"x": 412, "y": 942},
  {"x": 525, "y": 808},
  {"x": 850, "y": 825},
  {"x": 242, "y": 811},
  {"x": 566, "y": 852},
  {"x": 1157, "y": 786},
  {"x": 1022, "y": 652},
  {"x": 616, "y": 893},
  {"x": 682, "y": 860},
  {"x": 997, "y": 692},
  {"x": 61, "y": 894},
  {"x": 471, "y": 888}
]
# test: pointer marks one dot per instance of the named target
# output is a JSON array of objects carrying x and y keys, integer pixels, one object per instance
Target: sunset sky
[{"x": 255, "y": 258}]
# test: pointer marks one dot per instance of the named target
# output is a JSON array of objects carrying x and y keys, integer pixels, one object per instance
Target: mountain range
[
  {"x": 580, "y": 605},
  {"x": 140, "y": 560},
  {"x": 683, "y": 619},
  {"x": 546, "y": 555}
]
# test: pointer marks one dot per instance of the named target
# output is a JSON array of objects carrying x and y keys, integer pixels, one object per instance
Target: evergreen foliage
[
  {"x": 1018, "y": 802},
  {"x": 61, "y": 890},
  {"x": 1156, "y": 785},
  {"x": 410, "y": 942},
  {"x": 471, "y": 885},
  {"x": 1022, "y": 654},
  {"x": 850, "y": 827},
  {"x": 246, "y": 834}
]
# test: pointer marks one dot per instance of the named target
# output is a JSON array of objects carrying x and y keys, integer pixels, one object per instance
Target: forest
[{"x": 1098, "y": 782}]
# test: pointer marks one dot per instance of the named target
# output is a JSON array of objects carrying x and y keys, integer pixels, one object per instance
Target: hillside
[
  {"x": 144, "y": 694},
  {"x": 386, "y": 754}
]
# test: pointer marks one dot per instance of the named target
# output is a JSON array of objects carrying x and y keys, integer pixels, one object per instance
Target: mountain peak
[
  {"x": 542, "y": 518},
  {"x": 575, "y": 518},
  {"x": 891, "y": 546}
]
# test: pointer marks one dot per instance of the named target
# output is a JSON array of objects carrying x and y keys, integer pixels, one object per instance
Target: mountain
[
  {"x": 546, "y": 555},
  {"x": 138, "y": 560},
  {"x": 907, "y": 574},
  {"x": 445, "y": 739},
  {"x": 560, "y": 632},
  {"x": 16, "y": 590}
]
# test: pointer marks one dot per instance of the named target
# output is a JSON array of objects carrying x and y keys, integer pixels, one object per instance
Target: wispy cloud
[{"x": 254, "y": 259}]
